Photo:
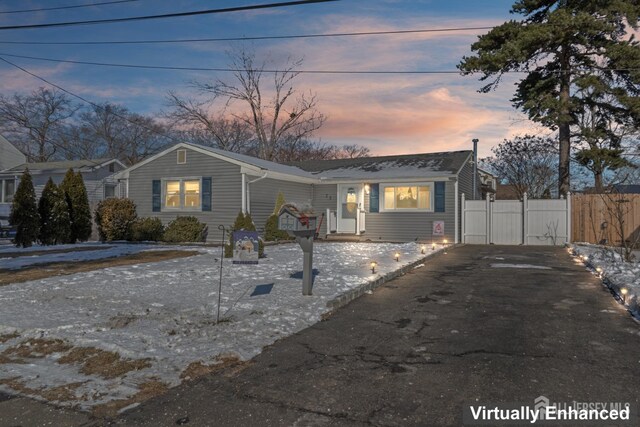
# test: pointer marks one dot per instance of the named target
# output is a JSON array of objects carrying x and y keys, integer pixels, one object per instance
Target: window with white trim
[
  {"x": 7, "y": 190},
  {"x": 182, "y": 194},
  {"x": 407, "y": 197}
]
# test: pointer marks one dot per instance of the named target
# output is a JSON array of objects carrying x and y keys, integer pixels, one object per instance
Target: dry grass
[
  {"x": 107, "y": 364},
  {"x": 18, "y": 254},
  {"x": 148, "y": 390},
  {"x": 232, "y": 365},
  {"x": 42, "y": 271},
  {"x": 6, "y": 337},
  {"x": 37, "y": 347},
  {"x": 61, "y": 393}
]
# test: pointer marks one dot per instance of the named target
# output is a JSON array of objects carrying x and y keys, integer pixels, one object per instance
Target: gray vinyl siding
[
  {"x": 324, "y": 197},
  {"x": 226, "y": 191},
  {"x": 263, "y": 195},
  {"x": 465, "y": 182},
  {"x": 407, "y": 226}
]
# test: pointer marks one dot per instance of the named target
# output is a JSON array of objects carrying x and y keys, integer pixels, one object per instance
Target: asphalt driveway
[{"x": 484, "y": 324}]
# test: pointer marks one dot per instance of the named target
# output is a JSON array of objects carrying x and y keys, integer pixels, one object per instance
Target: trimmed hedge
[
  {"x": 185, "y": 229},
  {"x": 147, "y": 229},
  {"x": 115, "y": 218}
]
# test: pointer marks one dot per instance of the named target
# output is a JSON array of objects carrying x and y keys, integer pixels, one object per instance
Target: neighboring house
[
  {"x": 98, "y": 175},
  {"x": 488, "y": 182},
  {"x": 391, "y": 198},
  {"x": 10, "y": 156}
]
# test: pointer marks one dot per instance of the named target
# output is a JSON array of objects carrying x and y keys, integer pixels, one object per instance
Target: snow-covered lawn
[
  {"x": 89, "y": 252},
  {"x": 623, "y": 278},
  {"x": 165, "y": 311}
]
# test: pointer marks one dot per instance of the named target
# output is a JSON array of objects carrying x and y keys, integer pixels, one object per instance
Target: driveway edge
[{"x": 347, "y": 297}]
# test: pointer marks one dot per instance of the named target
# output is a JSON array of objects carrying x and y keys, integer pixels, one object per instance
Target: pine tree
[
  {"x": 78, "y": 204},
  {"x": 24, "y": 212},
  {"x": 576, "y": 54},
  {"x": 82, "y": 224},
  {"x": 55, "y": 226}
]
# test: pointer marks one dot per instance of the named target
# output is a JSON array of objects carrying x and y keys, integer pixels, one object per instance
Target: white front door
[{"x": 348, "y": 207}]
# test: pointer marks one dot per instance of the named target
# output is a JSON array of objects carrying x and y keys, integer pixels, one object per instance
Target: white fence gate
[{"x": 515, "y": 222}]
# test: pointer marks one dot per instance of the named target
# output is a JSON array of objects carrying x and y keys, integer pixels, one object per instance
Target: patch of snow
[
  {"x": 166, "y": 311},
  {"x": 530, "y": 266},
  {"x": 619, "y": 276},
  {"x": 101, "y": 252}
]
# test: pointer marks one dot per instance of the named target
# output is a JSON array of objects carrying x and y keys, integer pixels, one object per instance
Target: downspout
[
  {"x": 475, "y": 168},
  {"x": 456, "y": 216},
  {"x": 244, "y": 193},
  {"x": 247, "y": 201}
]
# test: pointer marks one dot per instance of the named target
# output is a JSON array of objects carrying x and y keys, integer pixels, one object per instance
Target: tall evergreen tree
[
  {"x": 77, "y": 200},
  {"x": 55, "y": 226},
  {"x": 567, "y": 48},
  {"x": 82, "y": 223},
  {"x": 24, "y": 212}
]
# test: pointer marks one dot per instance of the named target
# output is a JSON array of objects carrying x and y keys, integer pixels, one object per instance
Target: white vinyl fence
[{"x": 515, "y": 222}]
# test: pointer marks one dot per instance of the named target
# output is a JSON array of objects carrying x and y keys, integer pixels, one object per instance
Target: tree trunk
[
  {"x": 597, "y": 179},
  {"x": 564, "y": 128}
]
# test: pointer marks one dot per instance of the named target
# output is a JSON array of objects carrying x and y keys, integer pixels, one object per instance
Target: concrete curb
[{"x": 346, "y": 298}]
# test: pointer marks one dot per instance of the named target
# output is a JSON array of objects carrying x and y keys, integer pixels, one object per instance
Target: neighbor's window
[
  {"x": 7, "y": 190},
  {"x": 109, "y": 191},
  {"x": 408, "y": 197},
  {"x": 182, "y": 194},
  {"x": 182, "y": 157}
]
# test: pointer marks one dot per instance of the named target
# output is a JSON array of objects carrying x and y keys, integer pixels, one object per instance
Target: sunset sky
[{"x": 390, "y": 114}]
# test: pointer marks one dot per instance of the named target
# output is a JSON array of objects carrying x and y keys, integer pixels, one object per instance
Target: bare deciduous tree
[
  {"x": 527, "y": 163},
  {"x": 276, "y": 114},
  {"x": 113, "y": 131},
  {"x": 35, "y": 122},
  {"x": 197, "y": 124}
]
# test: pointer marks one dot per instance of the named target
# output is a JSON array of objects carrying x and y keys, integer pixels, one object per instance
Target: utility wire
[
  {"x": 166, "y": 15},
  {"x": 77, "y": 6},
  {"x": 81, "y": 98},
  {"x": 233, "y": 70},
  {"x": 230, "y": 39}
]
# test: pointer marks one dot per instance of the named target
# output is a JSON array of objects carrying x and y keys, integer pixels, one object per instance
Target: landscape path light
[
  {"x": 373, "y": 266},
  {"x": 624, "y": 292}
]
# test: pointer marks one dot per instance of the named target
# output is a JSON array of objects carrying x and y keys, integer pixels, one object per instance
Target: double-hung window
[
  {"x": 182, "y": 194},
  {"x": 407, "y": 197}
]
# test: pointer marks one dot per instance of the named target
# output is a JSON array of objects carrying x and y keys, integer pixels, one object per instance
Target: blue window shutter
[
  {"x": 156, "y": 200},
  {"x": 206, "y": 194},
  {"x": 374, "y": 198},
  {"x": 439, "y": 196}
]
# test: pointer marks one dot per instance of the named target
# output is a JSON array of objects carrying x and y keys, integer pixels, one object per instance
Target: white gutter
[
  {"x": 456, "y": 217},
  {"x": 246, "y": 201}
]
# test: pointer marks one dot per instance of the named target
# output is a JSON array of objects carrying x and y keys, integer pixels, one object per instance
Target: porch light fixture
[
  {"x": 367, "y": 188},
  {"x": 397, "y": 256},
  {"x": 423, "y": 248},
  {"x": 373, "y": 266},
  {"x": 624, "y": 292}
]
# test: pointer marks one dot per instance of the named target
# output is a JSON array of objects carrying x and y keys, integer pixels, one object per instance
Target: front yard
[{"x": 106, "y": 339}]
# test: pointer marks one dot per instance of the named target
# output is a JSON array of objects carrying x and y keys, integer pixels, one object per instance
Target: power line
[
  {"x": 166, "y": 15},
  {"x": 176, "y": 68},
  {"x": 230, "y": 39},
  {"x": 77, "y": 6},
  {"x": 231, "y": 70},
  {"x": 162, "y": 134}
]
